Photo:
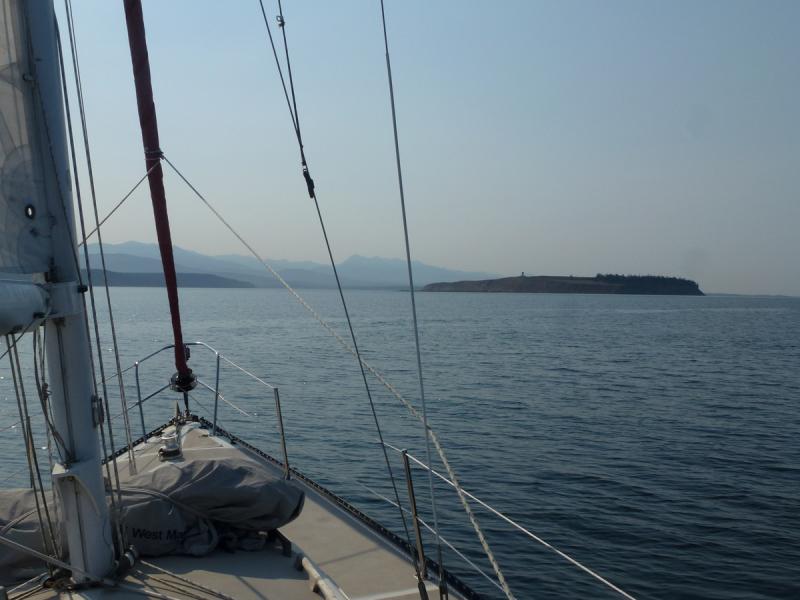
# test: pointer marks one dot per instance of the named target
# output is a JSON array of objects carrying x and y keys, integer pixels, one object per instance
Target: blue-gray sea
[{"x": 653, "y": 438}]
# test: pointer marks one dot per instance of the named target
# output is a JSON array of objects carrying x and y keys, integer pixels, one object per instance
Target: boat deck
[{"x": 334, "y": 554}]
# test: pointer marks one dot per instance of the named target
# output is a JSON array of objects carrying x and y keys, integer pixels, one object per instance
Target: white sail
[
  {"x": 37, "y": 235},
  {"x": 25, "y": 224}
]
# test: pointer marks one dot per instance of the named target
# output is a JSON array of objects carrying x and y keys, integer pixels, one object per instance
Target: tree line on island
[
  {"x": 651, "y": 284},
  {"x": 602, "y": 283}
]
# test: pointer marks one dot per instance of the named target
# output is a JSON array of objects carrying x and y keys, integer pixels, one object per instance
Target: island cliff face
[{"x": 601, "y": 284}]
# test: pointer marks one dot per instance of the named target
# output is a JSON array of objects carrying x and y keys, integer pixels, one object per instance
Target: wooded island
[{"x": 600, "y": 284}]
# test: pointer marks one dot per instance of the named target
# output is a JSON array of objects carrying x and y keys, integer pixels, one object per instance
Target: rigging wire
[
  {"x": 444, "y": 540},
  {"x": 41, "y": 388},
  {"x": 116, "y": 207},
  {"x": 292, "y": 106},
  {"x": 520, "y": 528},
  {"x": 171, "y": 586},
  {"x": 85, "y": 131},
  {"x": 13, "y": 474},
  {"x": 61, "y": 187},
  {"x": 53, "y": 436},
  {"x": 34, "y": 579},
  {"x": 142, "y": 79},
  {"x": 428, "y": 436},
  {"x": 280, "y": 74},
  {"x": 33, "y": 461},
  {"x": 282, "y": 25},
  {"x": 420, "y": 378},
  {"x": 51, "y": 560},
  {"x": 115, "y": 502},
  {"x": 343, "y": 343},
  {"x": 22, "y": 421},
  {"x": 361, "y": 361},
  {"x": 45, "y": 523},
  {"x": 19, "y": 337},
  {"x": 207, "y": 589},
  {"x": 13, "y": 425}
]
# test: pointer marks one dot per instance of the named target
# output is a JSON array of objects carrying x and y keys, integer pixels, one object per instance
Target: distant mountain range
[{"x": 135, "y": 263}]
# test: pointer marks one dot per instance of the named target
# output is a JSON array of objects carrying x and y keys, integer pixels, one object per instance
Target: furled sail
[{"x": 25, "y": 224}]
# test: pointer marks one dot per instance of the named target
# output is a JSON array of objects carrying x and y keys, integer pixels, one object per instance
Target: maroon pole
[{"x": 152, "y": 152}]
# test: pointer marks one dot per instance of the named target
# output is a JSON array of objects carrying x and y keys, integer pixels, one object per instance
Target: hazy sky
[{"x": 547, "y": 137}]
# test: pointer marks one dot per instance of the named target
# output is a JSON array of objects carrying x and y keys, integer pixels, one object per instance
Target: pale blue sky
[{"x": 557, "y": 137}]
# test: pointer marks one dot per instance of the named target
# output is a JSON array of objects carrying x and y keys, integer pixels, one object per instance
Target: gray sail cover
[
  {"x": 24, "y": 220},
  {"x": 214, "y": 497}
]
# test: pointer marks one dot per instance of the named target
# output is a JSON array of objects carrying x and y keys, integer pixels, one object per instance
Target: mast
[
  {"x": 183, "y": 380},
  {"x": 77, "y": 479}
]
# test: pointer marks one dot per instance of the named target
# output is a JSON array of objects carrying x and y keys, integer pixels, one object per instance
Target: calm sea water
[{"x": 652, "y": 438}]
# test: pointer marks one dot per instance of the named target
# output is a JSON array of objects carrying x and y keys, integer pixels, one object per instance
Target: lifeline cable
[
  {"x": 519, "y": 527},
  {"x": 444, "y": 540}
]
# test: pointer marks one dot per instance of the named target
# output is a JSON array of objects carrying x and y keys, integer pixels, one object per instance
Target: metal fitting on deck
[{"x": 171, "y": 447}]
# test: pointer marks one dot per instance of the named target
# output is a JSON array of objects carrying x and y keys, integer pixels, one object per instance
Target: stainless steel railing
[
  {"x": 493, "y": 511},
  {"x": 408, "y": 461},
  {"x": 219, "y": 358}
]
